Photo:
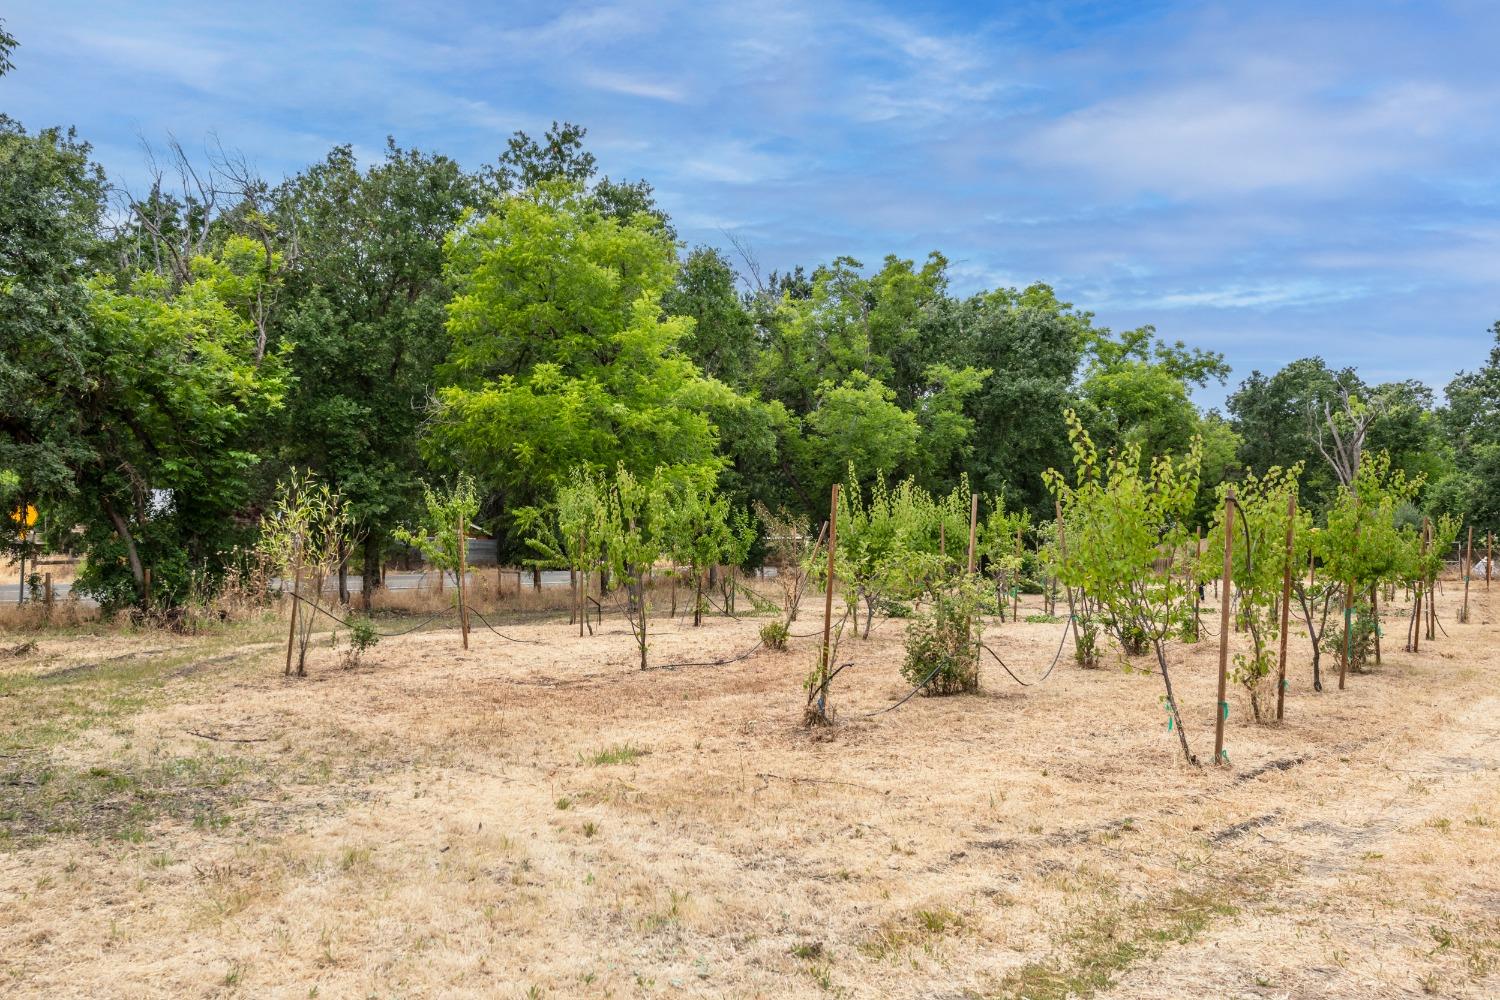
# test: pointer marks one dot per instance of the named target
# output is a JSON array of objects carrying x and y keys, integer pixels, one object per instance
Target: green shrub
[
  {"x": 946, "y": 639},
  {"x": 362, "y": 638},
  {"x": 774, "y": 635}
]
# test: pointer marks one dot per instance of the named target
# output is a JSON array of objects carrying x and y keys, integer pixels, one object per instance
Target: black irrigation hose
[
  {"x": 714, "y": 663},
  {"x": 524, "y": 642},
  {"x": 909, "y": 695},
  {"x": 383, "y": 635},
  {"x": 1050, "y": 667}
]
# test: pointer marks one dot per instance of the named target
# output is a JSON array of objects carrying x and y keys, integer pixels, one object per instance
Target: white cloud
[{"x": 634, "y": 86}]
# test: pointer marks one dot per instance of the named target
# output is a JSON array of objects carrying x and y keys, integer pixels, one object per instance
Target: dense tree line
[{"x": 169, "y": 354}]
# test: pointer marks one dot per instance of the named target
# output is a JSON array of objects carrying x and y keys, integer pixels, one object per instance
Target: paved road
[{"x": 393, "y": 581}]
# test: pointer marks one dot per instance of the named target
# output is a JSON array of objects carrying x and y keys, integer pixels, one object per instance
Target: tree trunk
[
  {"x": 370, "y": 571},
  {"x": 536, "y": 578},
  {"x": 123, "y": 530},
  {"x": 344, "y": 573},
  {"x": 1166, "y": 679}
]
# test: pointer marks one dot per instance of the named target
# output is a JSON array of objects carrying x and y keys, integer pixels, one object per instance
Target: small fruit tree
[
  {"x": 1262, "y": 507},
  {"x": 998, "y": 548},
  {"x": 302, "y": 537},
  {"x": 1122, "y": 520},
  {"x": 789, "y": 545},
  {"x": 636, "y": 533},
  {"x": 569, "y": 533},
  {"x": 1364, "y": 546},
  {"x": 877, "y": 540},
  {"x": 703, "y": 529},
  {"x": 440, "y": 532}
]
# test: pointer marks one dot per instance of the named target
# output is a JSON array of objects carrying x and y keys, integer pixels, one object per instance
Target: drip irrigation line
[
  {"x": 909, "y": 695},
  {"x": 525, "y": 642},
  {"x": 715, "y": 663},
  {"x": 1057, "y": 656},
  {"x": 383, "y": 635}
]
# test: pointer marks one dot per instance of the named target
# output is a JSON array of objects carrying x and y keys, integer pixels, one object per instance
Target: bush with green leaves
[
  {"x": 569, "y": 533},
  {"x": 636, "y": 529},
  {"x": 362, "y": 639},
  {"x": 703, "y": 529},
  {"x": 774, "y": 635},
  {"x": 943, "y": 642}
]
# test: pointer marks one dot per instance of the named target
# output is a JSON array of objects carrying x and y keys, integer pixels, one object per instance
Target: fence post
[
  {"x": 291, "y": 631},
  {"x": 1286, "y": 602},
  {"x": 463, "y": 569},
  {"x": 47, "y": 592},
  {"x": 1222, "y": 709},
  {"x": 1468, "y": 572},
  {"x": 827, "y": 654}
]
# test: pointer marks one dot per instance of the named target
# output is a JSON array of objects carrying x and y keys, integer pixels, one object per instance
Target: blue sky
[{"x": 1250, "y": 177}]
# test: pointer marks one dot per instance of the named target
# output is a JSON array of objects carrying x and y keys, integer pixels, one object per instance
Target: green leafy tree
[
  {"x": 52, "y": 201},
  {"x": 1259, "y": 560},
  {"x": 1121, "y": 520},
  {"x": 636, "y": 528},
  {"x": 170, "y": 421},
  {"x": 446, "y": 510},
  {"x": 560, "y": 354},
  {"x": 363, "y": 311},
  {"x": 303, "y": 535}
]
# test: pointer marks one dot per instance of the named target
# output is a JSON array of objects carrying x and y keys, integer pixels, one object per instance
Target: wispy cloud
[{"x": 1252, "y": 175}]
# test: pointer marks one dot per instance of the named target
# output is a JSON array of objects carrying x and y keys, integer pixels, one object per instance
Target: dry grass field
[{"x": 544, "y": 820}]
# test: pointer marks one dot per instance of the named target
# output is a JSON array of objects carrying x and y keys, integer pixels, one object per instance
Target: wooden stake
[
  {"x": 1197, "y": 557},
  {"x": 1468, "y": 572},
  {"x": 1286, "y": 603},
  {"x": 1348, "y": 609},
  {"x": 1375, "y": 617},
  {"x": 827, "y": 655},
  {"x": 291, "y": 633},
  {"x": 1222, "y": 709},
  {"x": 974, "y": 528},
  {"x": 47, "y": 591},
  {"x": 1489, "y": 557},
  {"x": 1015, "y": 592},
  {"x": 146, "y": 589},
  {"x": 463, "y": 571},
  {"x": 1062, "y": 552},
  {"x": 583, "y": 583}
]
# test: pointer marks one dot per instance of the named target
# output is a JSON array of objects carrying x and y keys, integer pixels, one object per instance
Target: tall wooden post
[
  {"x": 827, "y": 654},
  {"x": 1344, "y": 647},
  {"x": 583, "y": 582},
  {"x": 973, "y": 528},
  {"x": 1489, "y": 556},
  {"x": 1015, "y": 592},
  {"x": 1197, "y": 557},
  {"x": 1468, "y": 572},
  {"x": 291, "y": 634},
  {"x": 1416, "y": 635},
  {"x": 1222, "y": 709},
  {"x": 1375, "y": 618},
  {"x": 1286, "y": 603},
  {"x": 463, "y": 571},
  {"x": 47, "y": 592},
  {"x": 1062, "y": 553}
]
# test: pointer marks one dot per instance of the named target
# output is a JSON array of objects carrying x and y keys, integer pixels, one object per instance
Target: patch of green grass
[
  {"x": 622, "y": 753},
  {"x": 920, "y": 928},
  {"x": 39, "y": 799},
  {"x": 1105, "y": 943}
]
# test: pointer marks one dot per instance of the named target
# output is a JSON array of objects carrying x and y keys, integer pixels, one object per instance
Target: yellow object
[{"x": 15, "y": 516}]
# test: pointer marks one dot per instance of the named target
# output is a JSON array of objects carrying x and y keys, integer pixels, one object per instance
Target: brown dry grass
[{"x": 545, "y": 820}]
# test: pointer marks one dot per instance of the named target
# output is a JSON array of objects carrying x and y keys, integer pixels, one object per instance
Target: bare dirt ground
[{"x": 527, "y": 820}]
